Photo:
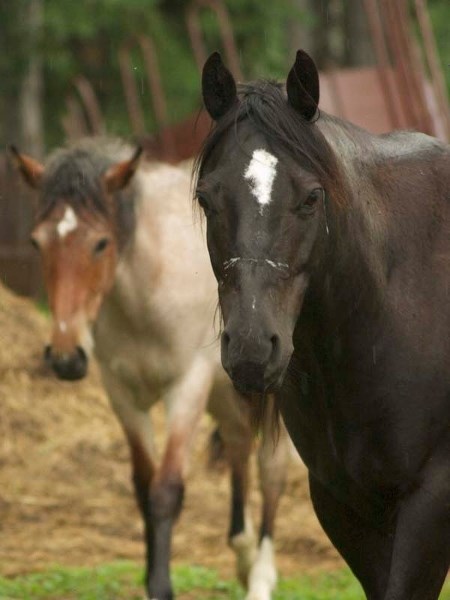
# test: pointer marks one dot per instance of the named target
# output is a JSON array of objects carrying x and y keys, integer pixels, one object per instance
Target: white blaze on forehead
[
  {"x": 68, "y": 223},
  {"x": 261, "y": 173}
]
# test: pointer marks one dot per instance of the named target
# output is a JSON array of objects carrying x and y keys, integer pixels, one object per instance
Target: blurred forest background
[{"x": 44, "y": 44}]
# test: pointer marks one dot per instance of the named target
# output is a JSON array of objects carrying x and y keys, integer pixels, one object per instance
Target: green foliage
[
  {"x": 84, "y": 37},
  {"x": 440, "y": 17},
  {"x": 124, "y": 580}
]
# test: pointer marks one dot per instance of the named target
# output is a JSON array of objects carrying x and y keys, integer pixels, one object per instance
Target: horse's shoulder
[
  {"x": 163, "y": 174},
  {"x": 409, "y": 146}
]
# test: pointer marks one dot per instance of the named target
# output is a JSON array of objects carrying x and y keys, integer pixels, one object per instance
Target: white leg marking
[
  {"x": 263, "y": 574},
  {"x": 244, "y": 545},
  {"x": 68, "y": 223},
  {"x": 261, "y": 173}
]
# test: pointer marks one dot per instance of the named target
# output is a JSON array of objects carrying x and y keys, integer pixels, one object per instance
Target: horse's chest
[
  {"x": 147, "y": 359},
  {"x": 360, "y": 432}
]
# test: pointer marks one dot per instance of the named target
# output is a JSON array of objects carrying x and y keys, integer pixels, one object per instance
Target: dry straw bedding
[{"x": 65, "y": 490}]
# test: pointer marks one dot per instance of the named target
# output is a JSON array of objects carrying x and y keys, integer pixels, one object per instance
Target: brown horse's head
[{"x": 79, "y": 231}]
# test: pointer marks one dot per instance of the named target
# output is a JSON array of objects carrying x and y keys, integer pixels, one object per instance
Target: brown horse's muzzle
[{"x": 70, "y": 366}]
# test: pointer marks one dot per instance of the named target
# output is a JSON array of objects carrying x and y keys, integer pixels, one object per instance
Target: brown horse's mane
[{"x": 73, "y": 175}]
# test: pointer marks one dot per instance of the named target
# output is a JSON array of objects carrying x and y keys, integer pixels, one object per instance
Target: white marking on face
[
  {"x": 261, "y": 173},
  {"x": 68, "y": 223},
  {"x": 276, "y": 265},
  {"x": 231, "y": 262},
  {"x": 62, "y": 326},
  {"x": 254, "y": 302}
]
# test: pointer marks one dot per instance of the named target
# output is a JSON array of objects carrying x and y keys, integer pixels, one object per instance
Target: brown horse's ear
[
  {"x": 119, "y": 174},
  {"x": 218, "y": 87},
  {"x": 302, "y": 85},
  {"x": 32, "y": 170}
]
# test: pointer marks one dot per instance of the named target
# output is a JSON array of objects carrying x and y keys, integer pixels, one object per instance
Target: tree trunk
[
  {"x": 357, "y": 42},
  {"x": 300, "y": 29},
  {"x": 31, "y": 118}
]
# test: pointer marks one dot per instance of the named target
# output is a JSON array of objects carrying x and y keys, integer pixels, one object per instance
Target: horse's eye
[
  {"x": 204, "y": 204},
  {"x": 34, "y": 243},
  {"x": 101, "y": 245},
  {"x": 314, "y": 197}
]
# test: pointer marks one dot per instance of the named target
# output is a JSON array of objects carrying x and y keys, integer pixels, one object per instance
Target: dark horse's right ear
[
  {"x": 218, "y": 87},
  {"x": 302, "y": 85}
]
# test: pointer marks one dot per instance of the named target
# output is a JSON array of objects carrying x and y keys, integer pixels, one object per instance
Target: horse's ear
[
  {"x": 119, "y": 174},
  {"x": 302, "y": 85},
  {"x": 31, "y": 169},
  {"x": 218, "y": 87}
]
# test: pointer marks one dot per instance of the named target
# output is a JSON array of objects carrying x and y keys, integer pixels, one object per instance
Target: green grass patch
[{"x": 124, "y": 580}]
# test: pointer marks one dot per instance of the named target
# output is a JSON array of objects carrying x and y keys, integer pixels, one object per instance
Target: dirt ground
[{"x": 65, "y": 490}]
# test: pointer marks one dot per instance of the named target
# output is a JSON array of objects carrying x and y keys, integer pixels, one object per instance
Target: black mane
[{"x": 265, "y": 104}]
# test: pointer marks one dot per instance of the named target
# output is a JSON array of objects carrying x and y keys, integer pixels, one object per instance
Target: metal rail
[{"x": 226, "y": 34}]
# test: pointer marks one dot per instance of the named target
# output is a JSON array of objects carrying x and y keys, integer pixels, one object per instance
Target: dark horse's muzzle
[
  {"x": 252, "y": 362},
  {"x": 68, "y": 366}
]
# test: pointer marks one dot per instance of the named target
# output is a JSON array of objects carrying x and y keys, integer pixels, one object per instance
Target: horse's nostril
[
  {"x": 48, "y": 353},
  {"x": 276, "y": 346},
  {"x": 224, "y": 343},
  {"x": 81, "y": 354},
  {"x": 71, "y": 366}
]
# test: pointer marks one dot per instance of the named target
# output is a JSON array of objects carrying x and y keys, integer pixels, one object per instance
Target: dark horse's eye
[
  {"x": 34, "y": 243},
  {"x": 101, "y": 245},
  {"x": 204, "y": 204},
  {"x": 312, "y": 199}
]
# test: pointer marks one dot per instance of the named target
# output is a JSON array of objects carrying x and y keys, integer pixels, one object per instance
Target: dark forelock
[{"x": 264, "y": 104}]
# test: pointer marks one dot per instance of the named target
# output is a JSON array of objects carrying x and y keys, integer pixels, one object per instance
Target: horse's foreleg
[
  {"x": 365, "y": 547},
  {"x": 231, "y": 414},
  {"x": 421, "y": 548},
  {"x": 185, "y": 405},
  {"x": 136, "y": 424},
  {"x": 241, "y": 535},
  {"x": 273, "y": 459}
]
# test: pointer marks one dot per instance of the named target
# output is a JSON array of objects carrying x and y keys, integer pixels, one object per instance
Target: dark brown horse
[
  {"x": 331, "y": 247},
  {"x": 128, "y": 275}
]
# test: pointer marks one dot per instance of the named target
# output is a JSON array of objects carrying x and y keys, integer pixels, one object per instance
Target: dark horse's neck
[
  {"x": 354, "y": 265},
  {"x": 379, "y": 225}
]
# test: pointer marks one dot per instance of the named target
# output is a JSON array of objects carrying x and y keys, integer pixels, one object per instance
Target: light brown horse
[{"x": 127, "y": 274}]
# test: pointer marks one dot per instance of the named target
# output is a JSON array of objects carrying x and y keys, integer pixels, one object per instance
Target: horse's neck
[
  {"x": 140, "y": 257},
  {"x": 355, "y": 263},
  {"x": 151, "y": 275},
  {"x": 378, "y": 226}
]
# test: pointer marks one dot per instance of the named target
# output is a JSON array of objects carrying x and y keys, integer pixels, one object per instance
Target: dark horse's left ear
[
  {"x": 218, "y": 87},
  {"x": 302, "y": 85}
]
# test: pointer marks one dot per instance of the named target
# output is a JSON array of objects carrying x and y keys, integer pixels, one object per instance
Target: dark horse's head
[
  {"x": 263, "y": 179},
  {"x": 78, "y": 235}
]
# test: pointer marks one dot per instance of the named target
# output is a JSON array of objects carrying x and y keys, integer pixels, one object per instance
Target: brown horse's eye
[
  {"x": 101, "y": 245},
  {"x": 34, "y": 243}
]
